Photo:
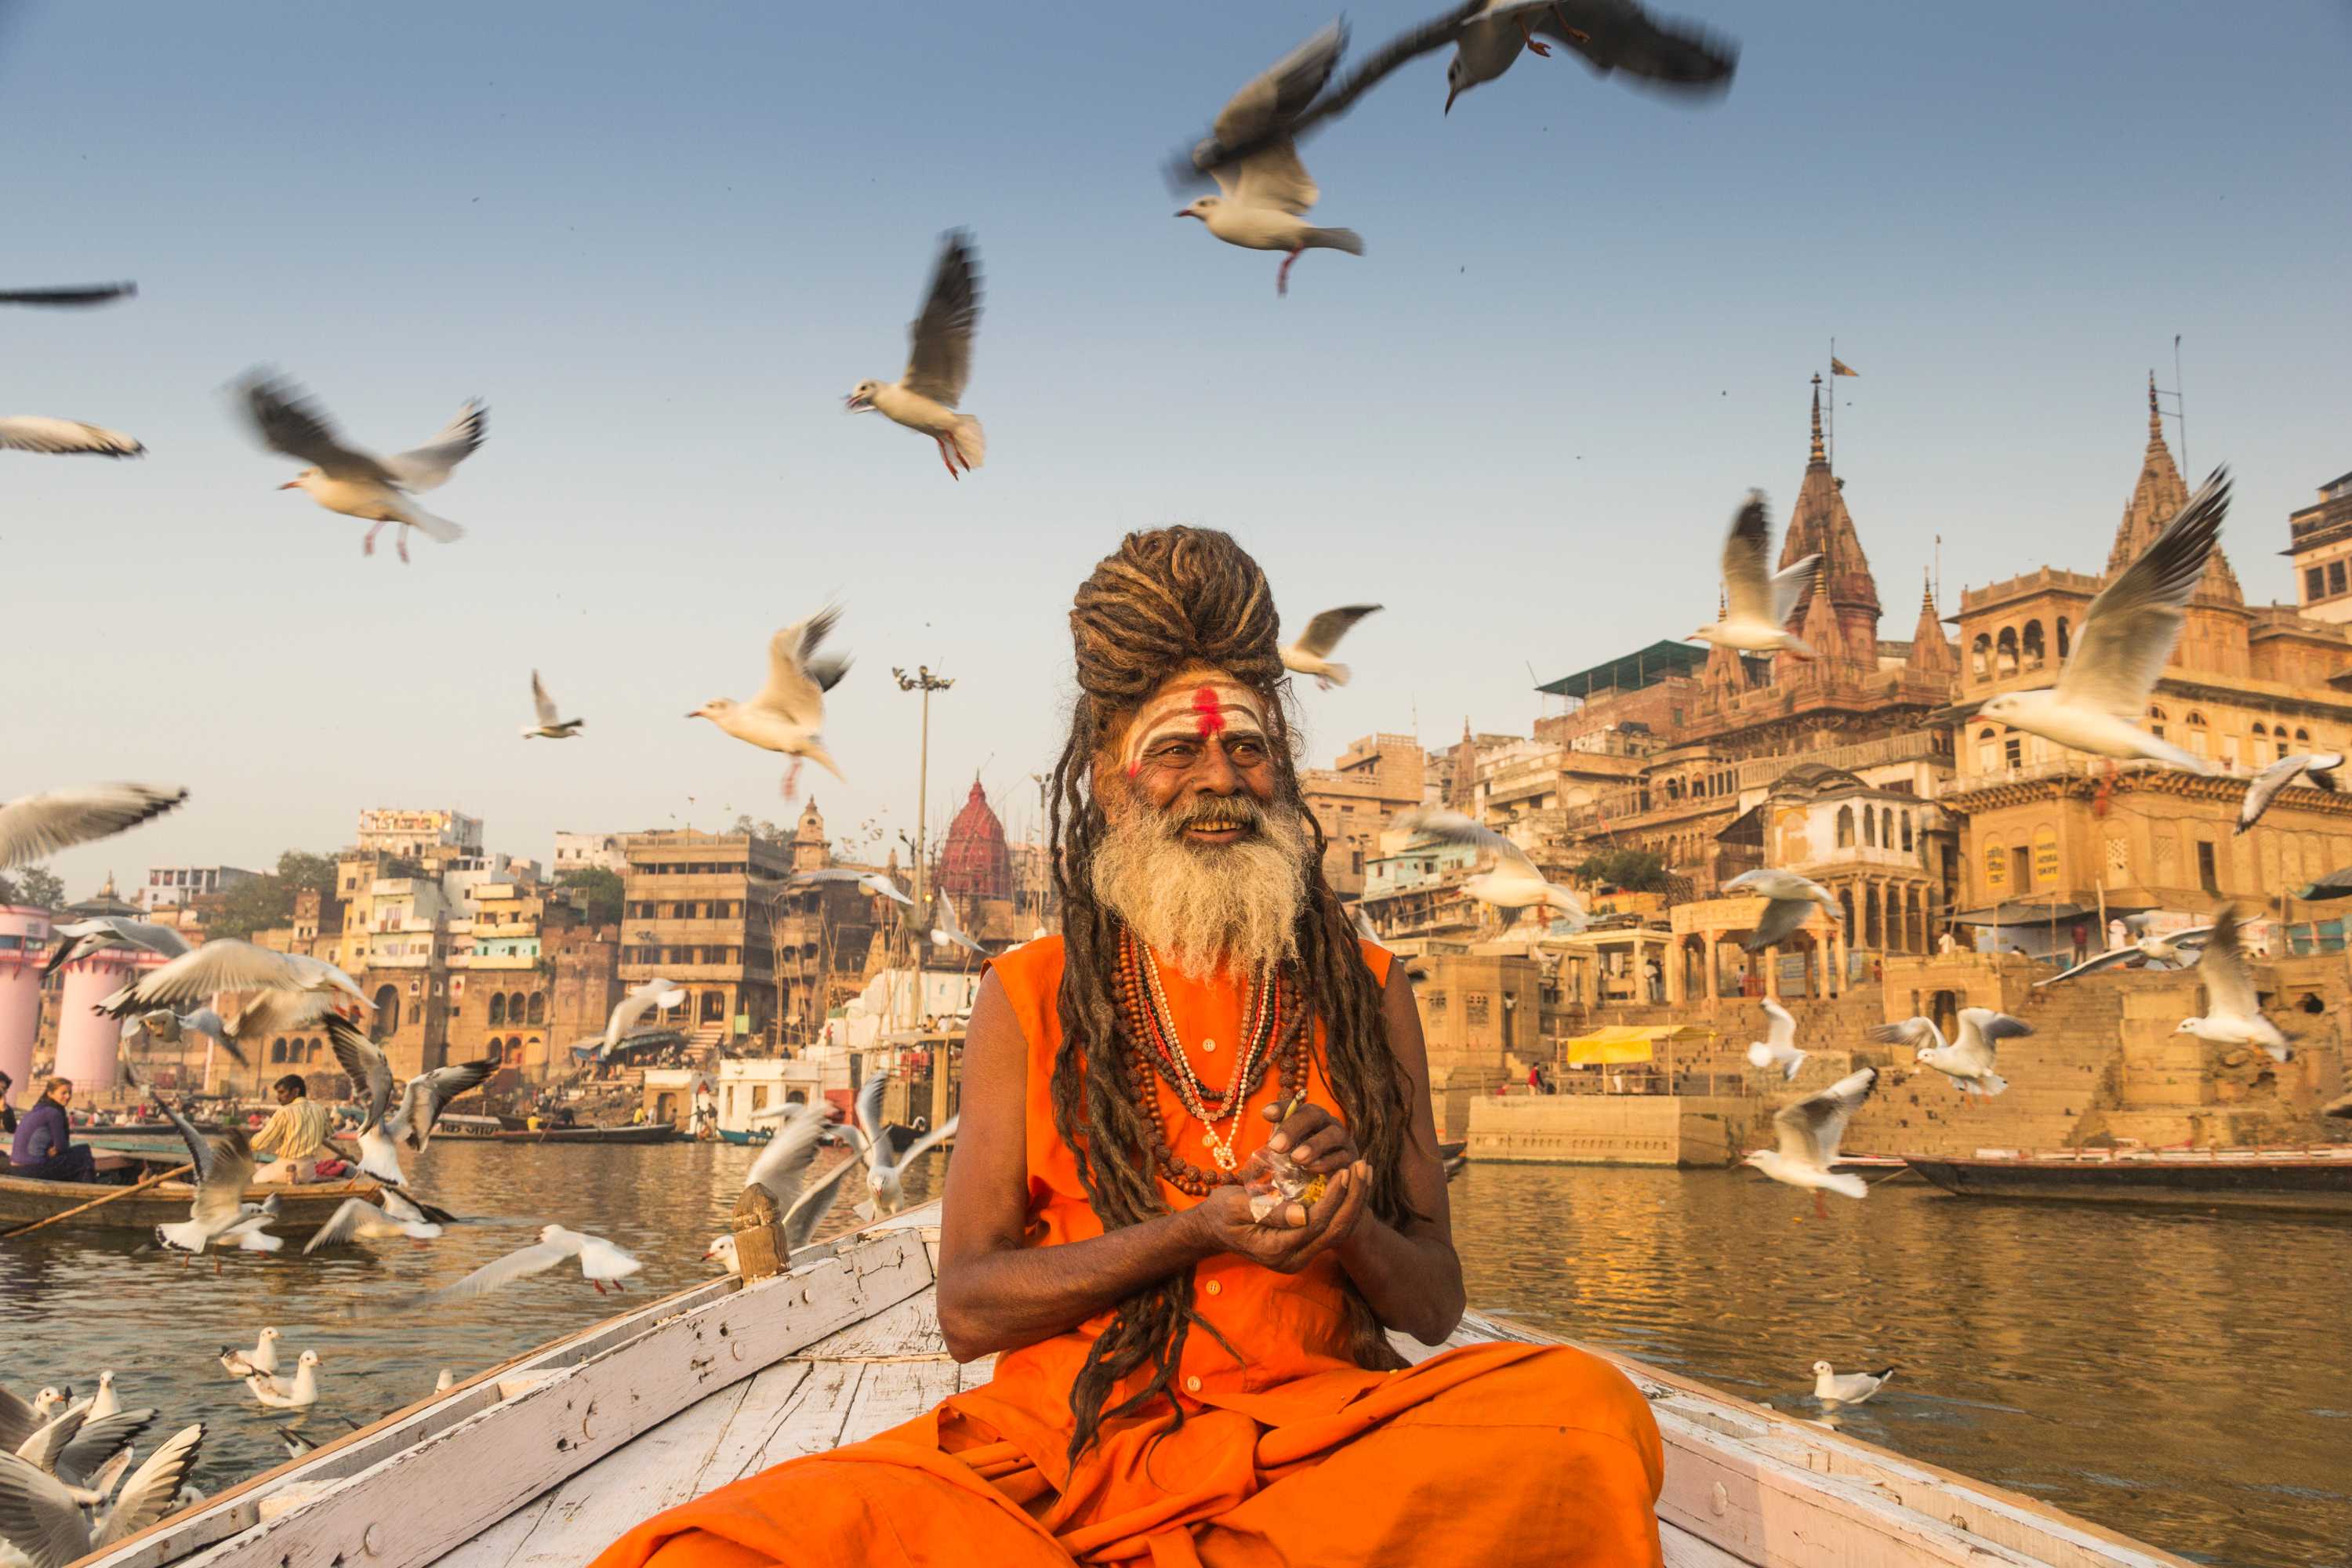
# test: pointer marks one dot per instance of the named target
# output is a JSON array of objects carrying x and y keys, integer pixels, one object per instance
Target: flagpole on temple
[{"x": 1828, "y": 427}]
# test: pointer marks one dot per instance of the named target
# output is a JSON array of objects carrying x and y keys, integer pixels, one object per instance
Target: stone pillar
[
  {"x": 89, "y": 1041},
  {"x": 1706, "y": 949},
  {"x": 1678, "y": 961},
  {"x": 1770, "y": 959},
  {"x": 20, "y": 994}
]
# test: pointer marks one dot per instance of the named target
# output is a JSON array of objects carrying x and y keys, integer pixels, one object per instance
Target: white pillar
[{"x": 88, "y": 1042}]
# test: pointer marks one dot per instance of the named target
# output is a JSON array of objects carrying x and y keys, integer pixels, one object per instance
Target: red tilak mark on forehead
[{"x": 1207, "y": 711}]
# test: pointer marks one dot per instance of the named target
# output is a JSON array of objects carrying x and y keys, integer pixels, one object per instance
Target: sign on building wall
[
  {"x": 1996, "y": 867},
  {"x": 2045, "y": 856}
]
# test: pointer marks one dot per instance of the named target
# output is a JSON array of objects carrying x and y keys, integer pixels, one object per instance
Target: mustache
[{"x": 1238, "y": 808}]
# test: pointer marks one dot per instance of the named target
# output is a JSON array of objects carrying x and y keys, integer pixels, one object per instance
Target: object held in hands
[{"x": 1273, "y": 1178}]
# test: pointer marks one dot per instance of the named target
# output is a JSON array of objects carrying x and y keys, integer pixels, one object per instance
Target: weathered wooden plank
[
  {"x": 811, "y": 1418},
  {"x": 480, "y": 1470},
  {"x": 911, "y": 1328},
  {"x": 896, "y": 1391},
  {"x": 497, "y": 1546},
  {"x": 654, "y": 1471},
  {"x": 1684, "y": 1550}
]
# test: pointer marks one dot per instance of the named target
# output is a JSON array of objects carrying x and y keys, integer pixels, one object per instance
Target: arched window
[
  {"x": 1869, "y": 828},
  {"x": 2035, "y": 656},
  {"x": 538, "y": 1010},
  {"x": 1980, "y": 657},
  {"x": 514, "y": 1047},
  {"x": 2199, "y": 741},
  {"x": 514, "y": 1007},
  {"x": 1886, "y": 827},
  {"x": 497, "y": 1009},
  {"x": 2302, "y": 737},
  {"x": 2156, "y": 717},
  {"x": 1673, "y": 789},
  {"x": 2064, "y": 646},
  {"x": 2004, "y": 660},
  {"x": 317, "y": 1049},
  {"x": 278, "y": 1049},
  {"x": 1988, "y": 750},
  {"x": 2261, "y": 728},
  {"x": 386, "y": 1016},
  {"x": 1845, "y": 828},
  {"x": 1907, "y": 832}
]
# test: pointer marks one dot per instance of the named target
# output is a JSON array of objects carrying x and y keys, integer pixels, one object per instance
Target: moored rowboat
[
  {"x": 2316, "y": 1178},
  {"x": 303, "y": 1209},
  {"x": 553, "y": 1455}
]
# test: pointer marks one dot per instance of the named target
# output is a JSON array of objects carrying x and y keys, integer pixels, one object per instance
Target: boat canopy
[{"x": 1623, "y": 1042}]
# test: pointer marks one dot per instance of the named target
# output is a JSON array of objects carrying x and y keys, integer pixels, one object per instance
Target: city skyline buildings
[{"x": 2002, "y": 240}]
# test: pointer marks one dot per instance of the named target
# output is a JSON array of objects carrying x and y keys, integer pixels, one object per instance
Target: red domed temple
[{"x": 976, "y": 862}]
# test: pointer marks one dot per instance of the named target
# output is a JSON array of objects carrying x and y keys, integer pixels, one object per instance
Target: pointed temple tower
[
  {"x": 2160, "y": 494},
  {"x": 1821, "y": 524},
  {"x": 1931, "y": 656}
]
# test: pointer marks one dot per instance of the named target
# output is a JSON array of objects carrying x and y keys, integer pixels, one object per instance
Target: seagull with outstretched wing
[
  {"x": 885, "y": 1175},
  {"x": 552, "y": 725},
  {"x": 99, "y": 933},
  {"x": 1777, "y": 1048},
  {"x": 2233, "y": 1009},
  {"x": 788, "y": 712},
  {"x": 1809, "y": 1132},
  {"x": 1792, "y": 900},
  {"x": 385, "y": 1126},
  {"x": 33, "y": 825},
  {"x": 782, "y": 1169},
  {"x": 1758, "y": 601},
  {"x": 1967, "y": 1058},
  {"x": 601, "y": 1264},
  {"x": 1311, "y": 653},
  {"x": 223, "y": 1169},
  {"x": 2120, "y": 649},
  {"x": 2313, "y": 769},
  {"x": 47, "y": 1521},
  {"x": 950, "y": 932},
  {"x": 355, "y": 483},
  {"x": 871, "y": 881},
  {"x": 66, "y": 437},
  {"x": 939, "y": 363},
  {"x": 1513, "y": 883}
]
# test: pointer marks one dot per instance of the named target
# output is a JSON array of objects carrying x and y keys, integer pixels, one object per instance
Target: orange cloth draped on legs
[{"x": 1492, "y": 1455}]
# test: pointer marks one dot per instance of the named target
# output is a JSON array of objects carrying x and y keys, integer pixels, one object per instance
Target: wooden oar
[{"x": 98, "y": 1202}]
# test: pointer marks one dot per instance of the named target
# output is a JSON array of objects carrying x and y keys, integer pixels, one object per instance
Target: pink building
[
  {"x": 23, "y": 945},
  {"x": 88, "y": 1042}
]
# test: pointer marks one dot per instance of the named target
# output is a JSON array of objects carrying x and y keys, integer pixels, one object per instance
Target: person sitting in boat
[
  {"x": 1185, "y": 1373},
  {"x": 298, "y": 1133},
  {"x": 8, "y": 1111},
  {"x": 43, "y": 1147}
]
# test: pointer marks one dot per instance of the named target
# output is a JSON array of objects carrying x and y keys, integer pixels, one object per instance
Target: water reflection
[
  {"x": 2178, "y": 1376},
  {"x": 73, "y": 1303}
]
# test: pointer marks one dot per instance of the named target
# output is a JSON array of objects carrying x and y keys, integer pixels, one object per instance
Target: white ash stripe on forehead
[{"x": 1194, "y": 709}]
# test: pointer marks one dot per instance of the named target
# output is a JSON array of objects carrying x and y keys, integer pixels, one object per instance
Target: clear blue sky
[{"x": 664, "y": 241}]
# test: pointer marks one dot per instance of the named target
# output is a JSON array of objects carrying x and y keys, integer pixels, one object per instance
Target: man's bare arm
[{"x": 1409, "y": 1272}]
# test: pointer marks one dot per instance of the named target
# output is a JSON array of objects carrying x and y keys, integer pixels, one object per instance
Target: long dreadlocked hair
[{"x": 1168, "y": 599}]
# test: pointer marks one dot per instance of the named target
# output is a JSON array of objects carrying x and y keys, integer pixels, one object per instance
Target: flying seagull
[
  {"x": 1264, "y": 193},
  {"x": 223, "y": 1169},
  {"x": 552, "y": 726},
  {"x": 1758, "y": 600},
  {"x": 626, "y": 1013},
  {"x": 1611, "y": 35},
  {"x": 66, "y": 437},
  {"x": 359, "y": 484},
  {"x": 939, "y": 363},
  {"x": 87, "y": 294},
  {"x": 884, "y": 1173},
  {"x": 1809, "y": 1132},
  {"x": 2334, "y": 885},
  {"x": 387, "y": 1127},
  {"x": 949, "y": 932},
  {"x": 783, "y": 1168},
  {"x": 293, "y": 990},
  {"x": 1777, "y": 1048},
  {"x": 1311, "y": 654},
  {"x": 99, "y": 933},
  {"x": 2120, "y": 648},
  {"x": 1514, "y": 883},
  {"x": 1834, "y": 1387},
  {"x": 1968, "y": 1059},
  {"x": 601, "y": 1262},
  {"x": 2176, "y": 950},
  {"x": 45, "y": 1520},
  {"x": 788, "y": 712},
  {"x": 1791, "y": 898},
  {"x": 2233, "y": 1012},
  {"x": 357, "y": 1219},
  {"x": 871, "y": 881},
  {"x": 33, "y": 825},
  {"x": 2315, "y": 769}
]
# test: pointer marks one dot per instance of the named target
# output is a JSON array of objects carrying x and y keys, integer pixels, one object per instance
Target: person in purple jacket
[{"x": 43, "y": 1146}]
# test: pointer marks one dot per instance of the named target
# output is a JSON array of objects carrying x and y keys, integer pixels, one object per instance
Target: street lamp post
[{"x": 924, "y": 682}]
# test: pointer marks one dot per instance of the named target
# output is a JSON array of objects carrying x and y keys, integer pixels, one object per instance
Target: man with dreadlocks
[{"x": 1179, "y": 1381}]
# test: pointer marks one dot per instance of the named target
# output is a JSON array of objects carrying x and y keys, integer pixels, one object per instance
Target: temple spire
[
  {"x": 1930, "y": 654},
  {"x": 1820, "y": 459},
  {"x": 2155, "y": 416}
]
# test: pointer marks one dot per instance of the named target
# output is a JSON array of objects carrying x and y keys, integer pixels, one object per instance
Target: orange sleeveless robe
[{"x": 1490, "y": 1456}]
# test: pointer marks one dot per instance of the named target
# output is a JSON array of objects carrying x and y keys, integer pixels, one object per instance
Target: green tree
[
  {"x": 35, "y": 884},
  {"x": 1633, "y": 870},
  {"x": 598, "y": 890},
  {"x": 268, "y": 901}
]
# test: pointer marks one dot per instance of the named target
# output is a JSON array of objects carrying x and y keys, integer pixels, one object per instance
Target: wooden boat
[
  {"x": 650, "y": 1132},
  {"x": 551, "y": 1456},
  {"x": 2317, "y": 1177},
  {"x": 753, "y": 1135},
  {"x": 303, "y": 1209}
]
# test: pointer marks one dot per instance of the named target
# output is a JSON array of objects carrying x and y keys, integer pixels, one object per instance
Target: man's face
[
  {"x": 1197, "y": 744},
  {"x": 285, "y": 1095}
]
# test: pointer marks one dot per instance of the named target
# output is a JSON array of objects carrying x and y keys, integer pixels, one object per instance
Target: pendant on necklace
[{"x": 1223, "y": 1155}]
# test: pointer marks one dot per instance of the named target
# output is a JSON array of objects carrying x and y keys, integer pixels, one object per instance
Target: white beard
[{"x": 1208, "y": 909}]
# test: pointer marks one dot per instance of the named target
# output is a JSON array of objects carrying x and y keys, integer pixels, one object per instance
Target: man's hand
[
  {"x": 1317, "y": 1142},
  {"x": 1292, "y": 1235}
]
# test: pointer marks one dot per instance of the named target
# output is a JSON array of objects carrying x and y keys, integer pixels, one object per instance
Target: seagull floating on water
[
  {"x": 789, "y": 709},
  {"x": 289, "y": 1394},
  {"x": 358, "y": 484},
  {"x": 1777, "y": 1048},
  {"x": 34, "y": 825},
  {"x": 1834, "y": 1387},
  {"x": 262, "y": 1357},
  {"x": 939, "y": 363},
  {"x": 1311, "y": 654}
]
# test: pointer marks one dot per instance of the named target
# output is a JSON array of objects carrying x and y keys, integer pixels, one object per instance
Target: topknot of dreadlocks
[{"x": 1169, "y": 597}]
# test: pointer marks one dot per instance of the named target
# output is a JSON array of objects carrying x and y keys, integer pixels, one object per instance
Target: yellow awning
[{"x": 1619, "y": 1044}]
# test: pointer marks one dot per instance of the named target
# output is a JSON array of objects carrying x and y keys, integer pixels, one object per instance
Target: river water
[{"x": 2183, "y": 1377}]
